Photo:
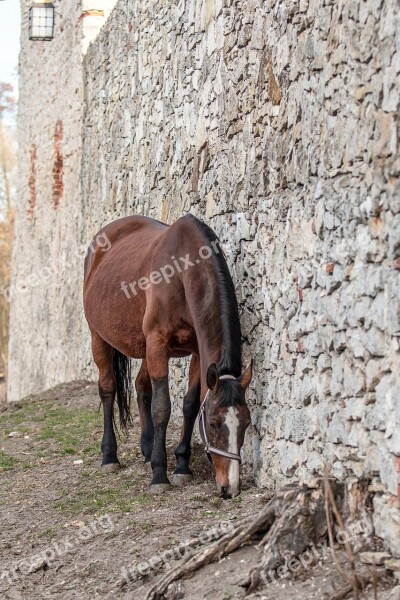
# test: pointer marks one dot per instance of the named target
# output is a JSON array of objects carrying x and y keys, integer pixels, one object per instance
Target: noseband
[{"x": 203, "y": 433}]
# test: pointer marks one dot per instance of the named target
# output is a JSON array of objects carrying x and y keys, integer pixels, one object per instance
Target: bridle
[{"x": 203, "y": 433}]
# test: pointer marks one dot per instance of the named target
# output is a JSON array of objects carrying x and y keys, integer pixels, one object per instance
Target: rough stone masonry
[
  {"x": 48, "y": 334},
  {"x": 276, "y": 122}
]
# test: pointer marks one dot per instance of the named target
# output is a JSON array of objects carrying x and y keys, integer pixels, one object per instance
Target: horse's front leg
[
  {"x": 157, "y": 364},
  {"x": 191, "y": 406}
]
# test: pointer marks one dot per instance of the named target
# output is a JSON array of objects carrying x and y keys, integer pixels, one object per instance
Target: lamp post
[{"x": 41, "y": 21}]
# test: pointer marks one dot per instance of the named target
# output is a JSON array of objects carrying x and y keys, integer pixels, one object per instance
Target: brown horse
[{"x": 156, "y": 292}]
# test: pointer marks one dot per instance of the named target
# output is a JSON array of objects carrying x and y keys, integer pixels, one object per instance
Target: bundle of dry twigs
[{"x": 294, "y": 518}]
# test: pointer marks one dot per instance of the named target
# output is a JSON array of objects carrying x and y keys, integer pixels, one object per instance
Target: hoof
[
  {"x": 111, "y": 468},
  {"x": 160, "y": 488},
  {"x": 181, "y": 478},
  {"x": 147, "y": 466}
]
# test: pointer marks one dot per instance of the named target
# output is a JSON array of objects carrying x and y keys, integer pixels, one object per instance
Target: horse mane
[{"x": 230, "y": 362}]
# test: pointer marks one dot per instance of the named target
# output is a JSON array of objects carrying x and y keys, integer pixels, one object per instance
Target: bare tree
[
  {"x": 7, "y": 172},
  {"x": 7, "y": 148},
  {"x": 5, "y": 258}
]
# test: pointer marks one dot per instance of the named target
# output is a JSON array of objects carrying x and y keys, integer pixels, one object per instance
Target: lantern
[{"x": 41, "y": 21}]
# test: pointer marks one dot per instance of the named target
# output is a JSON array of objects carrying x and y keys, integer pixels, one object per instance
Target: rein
[{"x": 203, "y": 433}]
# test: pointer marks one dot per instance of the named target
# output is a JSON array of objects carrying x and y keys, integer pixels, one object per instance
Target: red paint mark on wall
[
  {"x": 32, "y": 183},
  {"x": 58, "y": 165}
]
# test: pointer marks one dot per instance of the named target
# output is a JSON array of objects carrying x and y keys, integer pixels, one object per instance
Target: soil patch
[{"x": 69, "y": 531}]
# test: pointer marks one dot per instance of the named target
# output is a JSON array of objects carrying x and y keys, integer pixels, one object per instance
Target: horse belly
[{"x": 123, "y": 334}]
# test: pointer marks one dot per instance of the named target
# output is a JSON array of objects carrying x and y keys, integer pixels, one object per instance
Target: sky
[{"x": 9, "y": 40}]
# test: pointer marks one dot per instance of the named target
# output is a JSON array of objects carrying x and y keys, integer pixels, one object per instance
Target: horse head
[{"x": 224, "y": 418}]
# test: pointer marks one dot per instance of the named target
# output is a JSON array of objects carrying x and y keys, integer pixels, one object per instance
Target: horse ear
[
  {"x": 246, "y": 376},
  {"x": 212, "y": 377}
]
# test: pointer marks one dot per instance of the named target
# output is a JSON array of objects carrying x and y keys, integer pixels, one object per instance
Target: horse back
[{"x": 141, "y": 232}]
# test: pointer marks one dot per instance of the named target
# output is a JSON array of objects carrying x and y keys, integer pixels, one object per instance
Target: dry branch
[
  {"x": 220, "y": 548},
  {"x": 364, "y": 581},
  {"x": 297, "y": 518},
  {"x": 330, "y": 503}
]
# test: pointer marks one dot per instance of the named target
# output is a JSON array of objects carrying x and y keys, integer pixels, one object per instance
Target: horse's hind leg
[
  {"x": 191, "y": 406},
  {"x": 144, "y": 393},
  {"x": 103, "y": 357}
]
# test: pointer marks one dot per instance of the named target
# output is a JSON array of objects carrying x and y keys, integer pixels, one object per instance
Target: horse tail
[{"x": 123, "y": 377}]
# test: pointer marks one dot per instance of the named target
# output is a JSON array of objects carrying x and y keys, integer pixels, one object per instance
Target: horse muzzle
[{"x": 228, "y": 492}]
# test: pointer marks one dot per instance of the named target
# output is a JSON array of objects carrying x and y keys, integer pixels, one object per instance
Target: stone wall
[
  {"x": 44, "y": 295},
  {"x": 277, "y": 123},
  {"x": 46, "y": 322}
]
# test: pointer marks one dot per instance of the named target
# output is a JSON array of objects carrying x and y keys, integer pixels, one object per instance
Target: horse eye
[{"x": 213, "y": 426}]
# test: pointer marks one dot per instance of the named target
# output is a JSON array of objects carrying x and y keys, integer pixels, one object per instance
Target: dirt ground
[{"x": 69, "y": 531}]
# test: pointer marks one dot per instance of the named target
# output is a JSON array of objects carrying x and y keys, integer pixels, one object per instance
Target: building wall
[
  {"x": 277, "y": 123},
  {"x": 46, "y": 321}
]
